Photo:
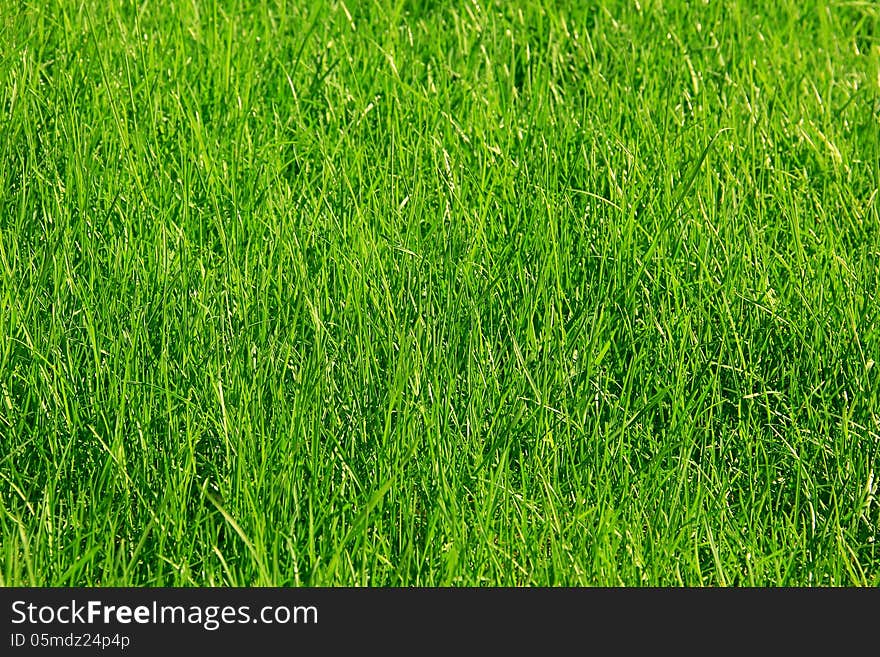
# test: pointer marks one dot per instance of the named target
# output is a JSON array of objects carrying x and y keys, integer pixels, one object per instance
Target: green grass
[{"x": 439, "y": 293}]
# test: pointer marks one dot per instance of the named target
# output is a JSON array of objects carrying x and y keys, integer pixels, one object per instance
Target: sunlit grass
[{"x": 432, "y": 293}]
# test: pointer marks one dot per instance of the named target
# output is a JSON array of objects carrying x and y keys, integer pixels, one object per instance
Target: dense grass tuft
[{"x": 396, "y": 293}]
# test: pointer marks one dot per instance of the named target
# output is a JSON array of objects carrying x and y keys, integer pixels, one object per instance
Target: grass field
[{"x": 439, "y": 293}]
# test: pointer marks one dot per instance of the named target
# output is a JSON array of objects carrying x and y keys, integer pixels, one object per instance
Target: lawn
[{"x": 523, "y": 292}]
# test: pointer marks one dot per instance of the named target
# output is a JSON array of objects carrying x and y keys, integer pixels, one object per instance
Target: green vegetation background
[{"x": 460, "y": 292}]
